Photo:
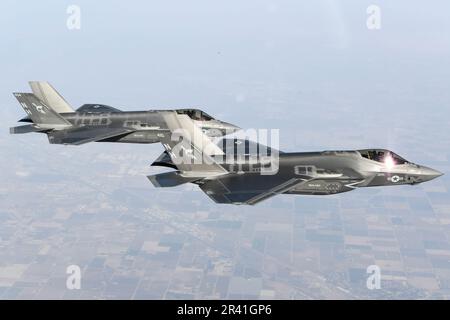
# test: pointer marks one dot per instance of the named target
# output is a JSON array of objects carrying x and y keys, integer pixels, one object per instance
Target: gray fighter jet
[
  {"x": 48, "y": 112},
  {"x": 237, "y": 172},
  {"x": 231, "y": 171}
]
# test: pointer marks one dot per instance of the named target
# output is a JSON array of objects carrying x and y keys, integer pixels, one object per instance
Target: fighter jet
[
  {"x": 48, "y": 112},
  {"x": 232, "y": 171},
  {"x": 235, "y": 171}
]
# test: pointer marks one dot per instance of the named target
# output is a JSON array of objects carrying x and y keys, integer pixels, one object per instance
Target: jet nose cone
[
  {"x": 230, "y": 128},
  {"x": 436, "y": 174},
  {"x": 429, "y": 174}
]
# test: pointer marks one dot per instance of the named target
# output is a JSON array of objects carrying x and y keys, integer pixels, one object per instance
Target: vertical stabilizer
[
  {"x": 190, "y": 150},
  {"x": 47, "y": 94},
  {"x": 39, "y": 112}
]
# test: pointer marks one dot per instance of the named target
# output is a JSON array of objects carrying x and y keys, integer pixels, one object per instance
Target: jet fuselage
[
  {"x": 327, "y": 172},
  {"x": 146, "y": 124}
]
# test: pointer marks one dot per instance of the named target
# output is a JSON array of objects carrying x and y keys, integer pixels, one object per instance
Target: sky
[
  {"x": 312, "y": 69},
  {"x": 233, "y": 55}
]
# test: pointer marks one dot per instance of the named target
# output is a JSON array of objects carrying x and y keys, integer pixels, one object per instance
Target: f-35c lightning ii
[
  {"x": 236, "y": 172},
  {"x": 232, "y": 171},
  {"x": 48, "y": 112}
]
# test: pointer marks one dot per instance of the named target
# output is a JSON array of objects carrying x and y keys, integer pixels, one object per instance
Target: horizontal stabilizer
[
  {"x": 169, "y": 179},
  {"x": 25, "y": 129}
]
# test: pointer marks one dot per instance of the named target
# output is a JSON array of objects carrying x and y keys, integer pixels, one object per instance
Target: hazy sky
[
  {"x": 311, "y": 69},
  {"x": 315, "y": 71},
  {"x": 168, "y": 53},
  {"x": 264, "y": 64}
]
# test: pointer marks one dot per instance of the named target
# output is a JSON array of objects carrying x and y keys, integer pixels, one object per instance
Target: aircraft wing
[
  {"x": 86, "y": 134},
  {"x": 249, "y": 189}
]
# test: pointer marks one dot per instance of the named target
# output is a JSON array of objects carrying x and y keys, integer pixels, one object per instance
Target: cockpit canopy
[
  {"x": 96, "y": 108},
  {"x": 380, "y": 155},
  {"x": 195, "y": 114}
]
